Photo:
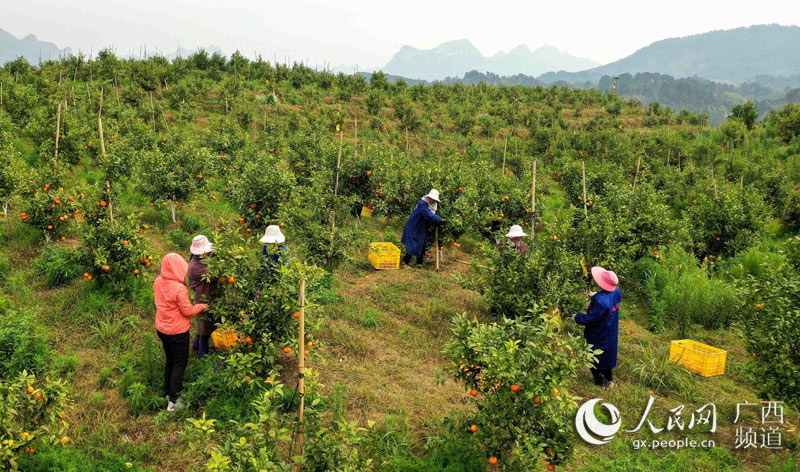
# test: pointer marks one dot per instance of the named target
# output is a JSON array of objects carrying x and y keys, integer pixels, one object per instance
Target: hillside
[
  {"x": 28, "y": 47},
  {"x": 470, "y": 363}
]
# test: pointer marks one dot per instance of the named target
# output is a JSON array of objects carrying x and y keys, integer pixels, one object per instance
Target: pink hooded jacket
[{"x": 173, "y": 308}]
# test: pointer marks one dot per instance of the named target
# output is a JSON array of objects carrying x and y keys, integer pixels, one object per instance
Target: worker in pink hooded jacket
[{"x": 173, "y": 314}]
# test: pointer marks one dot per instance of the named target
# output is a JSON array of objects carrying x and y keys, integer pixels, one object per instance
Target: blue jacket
[
  {"x": 417, "y": 227},
  {"x": 601, "y": 323},
  {"x": 280, "y": 258}
]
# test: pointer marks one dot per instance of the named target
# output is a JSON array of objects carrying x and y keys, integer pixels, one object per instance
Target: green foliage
[
  {"x": 786, "y": 122},
  {"x": 115, "y": 253},
  {"x": 680, "y": 293},
  {"x": 58, "y": 265},
  {"x": 5, "y": 267},
  {"x": 519, "y": 370},
  {"x": 142, "y": 376},
  {"x": 22, "y": 346},
  {"x": 747, "y": 113}
]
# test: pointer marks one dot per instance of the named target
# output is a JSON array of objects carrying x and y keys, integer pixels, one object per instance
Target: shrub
[
  {"x": 771, "y": 321},
  {"x": 5, "y": 267},
  {"x": 680, "y": 293},
  {"x": 22, "y": 346},
  {"x": 33, "y": 413},
  {"x": 142, "y": 379},
  {"x": 59, "y": 266},
  {"x": 65, "y": 365},
  {"x": 518, "y": 372}
]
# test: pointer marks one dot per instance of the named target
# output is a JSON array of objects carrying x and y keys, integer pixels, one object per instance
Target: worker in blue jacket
[
  {"x": 417, "y": 226},
  {"x": 601, "y": 322}
]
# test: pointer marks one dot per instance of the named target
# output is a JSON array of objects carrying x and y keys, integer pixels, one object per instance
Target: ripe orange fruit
[
  {"x": 759, "y": 306},
  {"x": 473, "y": 392},
  {"x": 248, "y": 340},
  {"x": 268, "y": 379},
  {"x": 628, "y": 332},
  {"x": 30, "y": 450},
  {"x": 49, "y": 227},
  {"x": 309, "y": 344},
  {"x": 287, "y": 350},
  {"x": 296, "y": 315},
  {"x": 223, "y": 280},
  {"x": 241, "y": 220},
  {"x": 89, "y": 278},
  {"x": 64, "y": 440},
  {"x": 106, "y": 268},
  {"x": 247, "y": 379},
  {"x": 38, "y": 397},
  {"x": 493, "y": 460},
  {"x": 249, "y": 230},
  {"x": 103, "y": 203},
  {"x": 124, "y": 243},
  {"x": 306, "y": 352},
  {"x": 551, "y": 467},
  {"x": 549, "y": 451},
  {"x": 474, "y": 428},
  {"x": 516, "y": 388},
  {"x": 199, "y": 176},
  {"x": 537, "y": 400},
  {"x": 30, "y": 389},
  {"x": 231, "y": 280},
  {"x": 555, "y": 392},
  {"x": 63, "y": 415},
  {"x": 163, "y": 204}
]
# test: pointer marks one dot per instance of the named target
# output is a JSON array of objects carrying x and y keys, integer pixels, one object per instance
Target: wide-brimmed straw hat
[
  {"x": 201, "y": 245},
  {"x": 433, "y": 195},
  {"x": 273, "y": 235},
  {"x": 516, "y": 232},
  {"x": 606, "y": 279}
]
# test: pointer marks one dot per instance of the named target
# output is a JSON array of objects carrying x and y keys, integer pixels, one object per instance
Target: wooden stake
[
  {"x": 301, "y": 367},
  {"x": 741, "y": 181},
  {"x": 437, "y": 248},
  {"x": 1, "y": 94},
  {"x": 533, "y": 205},
  {"x": 336, "y": 184},
  {"x": 355, "y": 148},
  {"x": 105, "y": 160},
  {"x": 636, "y": 177},
  {"x": 152, "y": 112},
  {"x": 407, "y": 145},
  {"x": 58, "y": 133},
  {"x": 714, "y": 181},
  {"x": 505, "y": 147},
  {"x": 583, "y": 171}
]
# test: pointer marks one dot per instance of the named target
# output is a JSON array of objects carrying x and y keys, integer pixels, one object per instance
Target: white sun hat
[
  {"x": 515, "y": 232},
  {"x": 273, "y": 235},
  {"x": 201, "y": 245},
  {"x": 433, "y": 195}
]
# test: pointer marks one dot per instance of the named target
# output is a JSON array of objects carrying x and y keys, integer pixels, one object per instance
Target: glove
[{"x": 591, "y": 294}]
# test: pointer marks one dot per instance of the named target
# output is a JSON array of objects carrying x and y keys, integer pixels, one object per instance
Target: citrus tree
[
  {"x": 33, "y": 413},
  {"x": 517, "y": 374},
  {"x": 114, "y": 253}
]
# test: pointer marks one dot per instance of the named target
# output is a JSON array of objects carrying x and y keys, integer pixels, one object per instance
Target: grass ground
[{"x": 381, "y": 341}]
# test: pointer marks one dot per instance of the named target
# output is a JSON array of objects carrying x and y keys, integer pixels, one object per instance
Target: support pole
[
  {"x": 505, "y": 147},
  {"x": 437, "y": 249},
  {"x": 355, "y": 148},
  {"x": 152, "y": 112},
  {"x": 714, "y": 181},
  {"x": 583, "y": 171},
  {"x": 105, "y": 160},
  {"x": 636, "y": 177},
  {"x": 58, "y": 134},
  {"x": 408, "y": 152},
  {"x": 301, "y": 366},
  {"x": 336, "y": 184},
  {"x": 533, "y": 205}
]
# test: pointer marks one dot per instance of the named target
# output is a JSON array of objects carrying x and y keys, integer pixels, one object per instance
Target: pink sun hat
[
  {"x": 606, "y": 279},
  {"x": 201, "y": 245}
]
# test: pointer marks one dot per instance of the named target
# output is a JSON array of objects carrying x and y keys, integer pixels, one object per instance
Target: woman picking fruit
[
  {"x": 417, "y": 226},
  {"x": 203, "y": 290},
  {"x": 275, "y": 251},
  {"x": 601, "y": 323},
  {"x": 515, "y": 235},
  {"x": 173, "y": 312}
]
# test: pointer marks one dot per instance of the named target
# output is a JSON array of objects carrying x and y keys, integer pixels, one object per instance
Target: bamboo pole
[
  {"x": 437, "y": 249},
  {"x": 533, "y": 205},
  {"x": 152, "y": 112},
  {"x": 583, "y": 171},
  {"x": 741, "y": 181},
  {"x": 714, "y": 181},
  {"x": 301, "y": 384},
  {"x": 408, "y": 153},
  {"x": 355, "y": 148},
  {"x": 505, "y": 147},
  {"x": 105, "y": 160},
  {"x": 58, "y": 133},
  {"x": 1, "y": 94},
  {"x": 336, "y": 184},
  {"x": 636, "y": 177}
]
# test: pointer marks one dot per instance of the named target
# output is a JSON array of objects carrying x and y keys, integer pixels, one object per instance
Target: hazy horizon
[{"x": 359, "y": 32}]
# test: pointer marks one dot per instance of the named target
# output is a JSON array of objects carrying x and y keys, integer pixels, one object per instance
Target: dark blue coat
[
  {"x": 417, "y": 227},
  {"x": 601, "y": 323},
  {"x": 281, "y": 257}
]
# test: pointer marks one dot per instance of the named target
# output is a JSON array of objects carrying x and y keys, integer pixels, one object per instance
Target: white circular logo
[{"x": 590, "y": 428}]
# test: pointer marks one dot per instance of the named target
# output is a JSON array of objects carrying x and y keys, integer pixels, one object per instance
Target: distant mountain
[
  {"x": 28, "y": 47},
  {"x": 455, "y": 58},
  {"x": 736, "y": 55},
  {"x": 185, "y": 52}
]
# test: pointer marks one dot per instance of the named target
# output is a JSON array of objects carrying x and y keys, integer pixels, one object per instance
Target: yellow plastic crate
[
  {"x": 224, "y": 339},
  {"x": 698, "y": 357},
  {"x": 384, "y": 256},
  {"x": 366, "y": 211}
]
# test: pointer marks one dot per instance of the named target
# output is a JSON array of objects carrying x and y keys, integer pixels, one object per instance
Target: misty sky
[{"x": 368, "y": 33}]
